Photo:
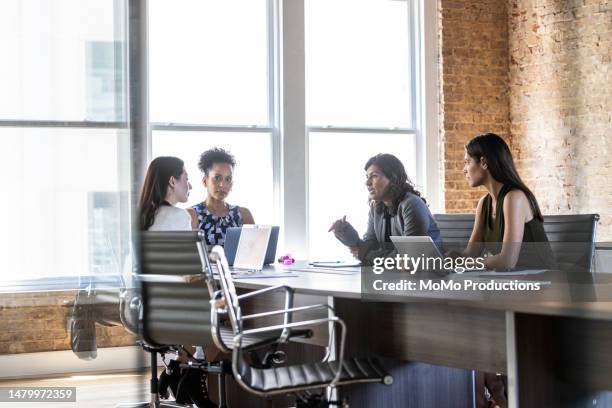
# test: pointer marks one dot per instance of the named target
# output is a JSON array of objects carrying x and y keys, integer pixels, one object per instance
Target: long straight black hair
[
  {"x": 500, "y": 164},
  {"x": 155, "y": 187},
  {"x": 399, "y": 184}
]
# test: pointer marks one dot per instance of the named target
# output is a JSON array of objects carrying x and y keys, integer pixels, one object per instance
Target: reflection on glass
[
  {"x": 65, "y": 214},
  {"x": 253, "y": 185},
  {"x": 357, "y": 63},
  {"x": 337, "y": 182},
  {"x": 65, "y": 60},
  {"x": 208, "y": 62}
]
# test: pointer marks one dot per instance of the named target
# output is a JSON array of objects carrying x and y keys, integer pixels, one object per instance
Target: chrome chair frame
[{"x": 227, "y": 302}]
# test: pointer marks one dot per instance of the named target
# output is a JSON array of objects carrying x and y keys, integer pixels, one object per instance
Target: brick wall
[
  {"x": 474, "y": 86},
  {"x": 32, "y": 322},
  {"x": 561, "y": 103},
  {"x": 539, "y": 73}
]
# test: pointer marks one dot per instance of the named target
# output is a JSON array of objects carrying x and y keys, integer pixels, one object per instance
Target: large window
[
  {"x": 210, "y": 81},
  {"x": 337, "y": 181},
  {"x": 253, "y": 173},
  {"x": 360, "y": 90},
  {"x": 302, "y": 93},
  {"x": 62, "y": 131}
]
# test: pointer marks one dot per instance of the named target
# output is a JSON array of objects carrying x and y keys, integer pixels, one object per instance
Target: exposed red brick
[{"x": 474, "y": 86}]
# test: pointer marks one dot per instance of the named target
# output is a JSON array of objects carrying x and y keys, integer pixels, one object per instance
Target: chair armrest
[
  {"x": 288, "y": 305},
  {"x": 265, "y": 290},
  {"x": 157, "y": 278},
  {"x": 281, "y": 311}
]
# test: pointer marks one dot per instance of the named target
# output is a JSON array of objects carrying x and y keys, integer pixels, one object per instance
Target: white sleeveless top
[{"x": 171, "y": 218}]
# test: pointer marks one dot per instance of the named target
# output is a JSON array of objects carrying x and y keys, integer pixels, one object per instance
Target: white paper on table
[{"x": 514, "y": 273}]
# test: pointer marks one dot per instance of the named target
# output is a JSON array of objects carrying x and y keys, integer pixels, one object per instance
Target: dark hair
[
  {"x": 155, "y": 187},
  {"x": 500, "y": 164},
  {"x": 394, "y": 170},
  {"x": 215, "y": 155}
]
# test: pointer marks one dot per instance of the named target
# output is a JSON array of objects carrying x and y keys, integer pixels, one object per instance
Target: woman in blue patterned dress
[{"x": 213, "y": 215}]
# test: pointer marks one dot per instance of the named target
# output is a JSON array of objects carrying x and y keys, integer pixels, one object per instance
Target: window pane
[
  {"x": 62, "y": 60},
  {"x": 337, "y": 182},
  {"x": 208, "y": 61},
  {"x": 253, "y": 183},
  {"x": 67, "y": 214},
  {"x": 357, "y": 63}
]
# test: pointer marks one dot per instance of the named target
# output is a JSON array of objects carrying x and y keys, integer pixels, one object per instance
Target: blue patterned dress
[{"x": 215, "y": 227}]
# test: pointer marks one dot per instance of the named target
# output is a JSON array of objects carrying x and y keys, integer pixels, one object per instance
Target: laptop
[
  {"x": 232, "y": 237},
  {"x": 423, "y": 247},
  {"x": 252, "y": 248}
]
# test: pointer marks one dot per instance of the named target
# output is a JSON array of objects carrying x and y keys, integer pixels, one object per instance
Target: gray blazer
[{"x": 412, "y": 218}]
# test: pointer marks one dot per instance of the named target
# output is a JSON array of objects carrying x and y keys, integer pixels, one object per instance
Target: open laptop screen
[{"x": 252, "y": 247}]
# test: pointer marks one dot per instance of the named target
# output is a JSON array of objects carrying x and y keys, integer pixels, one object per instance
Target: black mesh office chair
[
  {"x": 294, "y": 379},
  {"x": 176, "y": 283}
]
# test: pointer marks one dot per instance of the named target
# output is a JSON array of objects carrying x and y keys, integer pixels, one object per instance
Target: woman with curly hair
[
  {"x": 396, "y": 208},
  {"x": 214, "y": 215}
]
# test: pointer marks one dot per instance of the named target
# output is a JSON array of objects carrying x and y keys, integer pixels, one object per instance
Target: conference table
[{"x": 554, "y": 345}]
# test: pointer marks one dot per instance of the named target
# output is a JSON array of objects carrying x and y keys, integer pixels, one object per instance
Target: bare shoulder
[
  {"x": 246, "y": 215},
  {"x": 516, "y": 202},
  {"x": 516, "y": 197}
]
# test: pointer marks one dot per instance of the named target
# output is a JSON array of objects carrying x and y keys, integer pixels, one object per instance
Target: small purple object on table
[{"x": 286, "y": 260}]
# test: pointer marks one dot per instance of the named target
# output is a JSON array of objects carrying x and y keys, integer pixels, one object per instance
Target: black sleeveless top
[{"x": 535, "y": 249}]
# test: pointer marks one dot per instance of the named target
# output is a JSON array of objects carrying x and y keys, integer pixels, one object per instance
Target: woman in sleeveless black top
[{"x": 508, "y": 223}]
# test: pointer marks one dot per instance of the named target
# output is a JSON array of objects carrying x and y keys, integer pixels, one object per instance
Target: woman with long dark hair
[
  {"x": 508, "y": 215},
  {"x": 396, "y": 208},
  {"x": 165, "y": 185}
]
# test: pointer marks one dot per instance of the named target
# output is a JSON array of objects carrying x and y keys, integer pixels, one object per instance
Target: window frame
[
  {"x": 121, "y": 31},
  {"x": 286, "y": 109},
  {"x": 272, "y": 127},
  {"x": 290, "y": 133},
  {"x": 422, "y": 22}
]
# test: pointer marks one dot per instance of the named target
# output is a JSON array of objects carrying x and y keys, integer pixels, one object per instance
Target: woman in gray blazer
[{"x": 396, "y": 208}]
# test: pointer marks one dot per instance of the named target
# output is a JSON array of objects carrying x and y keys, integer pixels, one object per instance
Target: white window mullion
[
  {"x": 426, "y": 63},
  {"x": 294, "y": 175},
  {"x": 274, "y": 94}
]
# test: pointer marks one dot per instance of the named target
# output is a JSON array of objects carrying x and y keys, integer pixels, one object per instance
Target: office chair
[
  {"x": 455, "y": 230},
  {"x": 297, "y": 379},
  {"x": 572, "y": 240},
  {"x": 176, "y": 282}
]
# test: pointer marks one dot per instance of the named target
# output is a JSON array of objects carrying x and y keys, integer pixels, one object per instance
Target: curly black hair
[{"x": 215, "y": 155}]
